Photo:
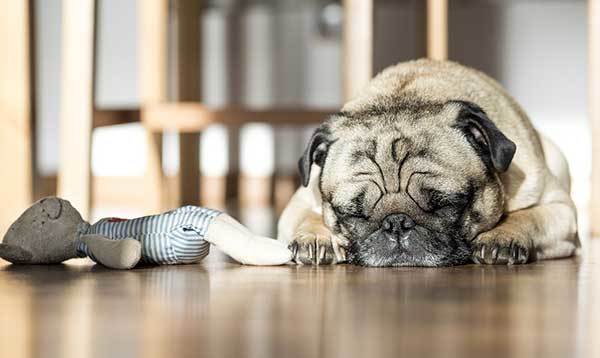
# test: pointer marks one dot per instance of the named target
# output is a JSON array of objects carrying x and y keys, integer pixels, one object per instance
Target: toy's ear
[
  {"x": 15, "y": 254},
  {"x": 52, "y": 206},
  {"x": 315, "y": 152},
  {"x": 495, "y": 147}
]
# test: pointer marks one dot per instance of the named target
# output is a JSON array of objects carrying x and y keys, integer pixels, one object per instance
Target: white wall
[
  {"x": 537, "y": 50},
  {"x": 47, "y": 48}
]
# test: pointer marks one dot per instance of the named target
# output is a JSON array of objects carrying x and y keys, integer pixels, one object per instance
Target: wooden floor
[{"x": 221, "y": 309}]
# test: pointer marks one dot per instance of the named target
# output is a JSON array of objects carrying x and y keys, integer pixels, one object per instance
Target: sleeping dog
[{"x": 432, "y": 164}]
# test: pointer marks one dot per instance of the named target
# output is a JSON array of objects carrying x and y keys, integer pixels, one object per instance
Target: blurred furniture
[
  {"x": 16, "y": 110},
  {"x": 181, "y": 111},
  {"x": 185, "y": 114},
  {"x": 77, "y": 102},
  {"x": 437, "y": 29}
]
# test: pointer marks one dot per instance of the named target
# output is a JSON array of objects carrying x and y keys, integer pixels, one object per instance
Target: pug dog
[{"x": 432, "y": 164}]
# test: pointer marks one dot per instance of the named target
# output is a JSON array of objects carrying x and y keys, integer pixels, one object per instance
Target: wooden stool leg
[
  {"x": 189, "y": 170},
  {"x": 437, "y": 29},
  {"x": 77, "y": 102},
  {"x": 187, "y": 33},
  {"x": 16, "y": 115},
  {"x": 232, "y": 180},
  {"x": 357, "y": 45},
  {"x": 152, "y": 49},
  {"x": 156, "y": 186}
]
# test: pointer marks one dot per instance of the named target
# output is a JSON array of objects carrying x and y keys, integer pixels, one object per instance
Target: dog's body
[{"x": 421, "y": 169}]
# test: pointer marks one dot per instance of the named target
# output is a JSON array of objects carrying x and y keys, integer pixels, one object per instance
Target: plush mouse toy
[{"x": 52, "y": 231}]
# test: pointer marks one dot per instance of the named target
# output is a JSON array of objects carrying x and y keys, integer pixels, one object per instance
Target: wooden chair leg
[
  {"x": 155, "y": 179},
  {"x": 77, "y": 102},
  {"x": 16, "y": 115},
  {"x": 152, "y": 48},
  {"x": 187, "y": 33},
  {"x": 437, "y": 29},
  {"x": 189, "y": 169},
  {"x": 232, "y": 179},
  {"x": 357, "y": 45}
]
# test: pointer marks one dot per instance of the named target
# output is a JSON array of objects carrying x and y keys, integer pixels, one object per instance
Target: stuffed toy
[{"x": 52, "y": 231}]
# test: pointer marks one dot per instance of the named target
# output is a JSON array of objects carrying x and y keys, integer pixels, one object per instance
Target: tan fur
[{"x": 534, "y": 191}]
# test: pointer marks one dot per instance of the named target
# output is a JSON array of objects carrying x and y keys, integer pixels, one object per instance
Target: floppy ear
[
  {"x": 315, "y": 152},
  {"x": 484, "y": 134}
]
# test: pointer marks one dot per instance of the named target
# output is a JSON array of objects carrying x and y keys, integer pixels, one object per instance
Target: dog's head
[{"x": 410, "y": 184}]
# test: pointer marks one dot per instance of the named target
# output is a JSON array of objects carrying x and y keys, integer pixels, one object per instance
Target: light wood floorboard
[{"x": 221, "y": 309}]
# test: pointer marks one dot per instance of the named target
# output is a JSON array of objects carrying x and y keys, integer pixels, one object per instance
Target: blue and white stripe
[{"x": 175, "y": 237}]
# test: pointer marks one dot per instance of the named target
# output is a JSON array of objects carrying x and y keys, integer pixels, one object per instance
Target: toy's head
[{"x": 45, "y": 233}]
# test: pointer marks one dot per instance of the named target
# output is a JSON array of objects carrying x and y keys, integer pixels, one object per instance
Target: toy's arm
[
  {"x": 117, "y": 254},
  {"x": 243, "y": 246}
]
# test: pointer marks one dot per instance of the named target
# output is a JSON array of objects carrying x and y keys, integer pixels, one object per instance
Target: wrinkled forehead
[
  {"x": 392, "y": 148},
  {"x": 414, "y": 123},
  {"x": 432, "y": 142}
]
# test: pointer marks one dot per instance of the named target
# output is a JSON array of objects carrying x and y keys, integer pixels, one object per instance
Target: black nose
[{"x": 397, "y": 223}]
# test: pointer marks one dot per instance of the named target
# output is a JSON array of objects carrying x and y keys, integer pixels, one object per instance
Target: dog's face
[{"x": 410, "y": 184}]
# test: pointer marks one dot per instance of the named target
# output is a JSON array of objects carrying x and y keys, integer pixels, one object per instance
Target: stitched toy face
[{"x": 45, "y": 229}]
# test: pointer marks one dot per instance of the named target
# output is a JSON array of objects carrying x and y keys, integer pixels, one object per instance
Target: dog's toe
[
  {"x": 312, "y": 250},
  {"x": 496, "y": 248}
]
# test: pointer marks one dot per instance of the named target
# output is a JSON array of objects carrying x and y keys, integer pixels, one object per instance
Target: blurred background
[{"x": 255, "y": 69}]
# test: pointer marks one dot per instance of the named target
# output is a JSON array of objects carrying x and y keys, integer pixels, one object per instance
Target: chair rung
[
  {"x": 195, "y": 117},
  {"x": 111, "y": 117}
]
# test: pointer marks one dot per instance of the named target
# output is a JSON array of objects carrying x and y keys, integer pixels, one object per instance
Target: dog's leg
[
  {"x": 301, "y": 226},
  {"x": 547, "y": 230},
  {"x": 313, "y": 242}
]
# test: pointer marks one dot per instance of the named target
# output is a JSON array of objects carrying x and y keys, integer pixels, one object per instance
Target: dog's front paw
[
  {"x": 499, "y": 247},
  {"x": 314, "y": 244}
]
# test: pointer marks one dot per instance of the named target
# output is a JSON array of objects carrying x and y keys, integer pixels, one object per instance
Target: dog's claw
[
  {"x": 312, "y": 251},
  {"x": 294, "y": 249},
  {"x": 342, "y": 254},
  {"x": 500, "y": 250},
  {"x": 315, "y": 246},
  {"x": 494, "y": 253}
]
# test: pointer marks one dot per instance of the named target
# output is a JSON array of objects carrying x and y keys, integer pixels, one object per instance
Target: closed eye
[
  {"x": 437, "y": 199},
  {"x": 349, "y": 212},
  {"x": 444, "y": 204},
  {"x": 361, "y": 205}
]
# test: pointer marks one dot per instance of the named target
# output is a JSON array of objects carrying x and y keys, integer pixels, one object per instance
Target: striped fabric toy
[
  {"x": 174, "y": 237},
  {"x": 52, "y": 231}
]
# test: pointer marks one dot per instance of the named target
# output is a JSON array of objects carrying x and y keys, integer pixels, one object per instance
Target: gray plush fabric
[
  {"x": 46, "y": 233},
  {"x": 117, "y": 254},
  {"x": 15, "y": 254}
]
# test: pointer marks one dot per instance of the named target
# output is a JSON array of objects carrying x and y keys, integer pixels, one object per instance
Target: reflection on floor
[{"x": 221, "y": 309}]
